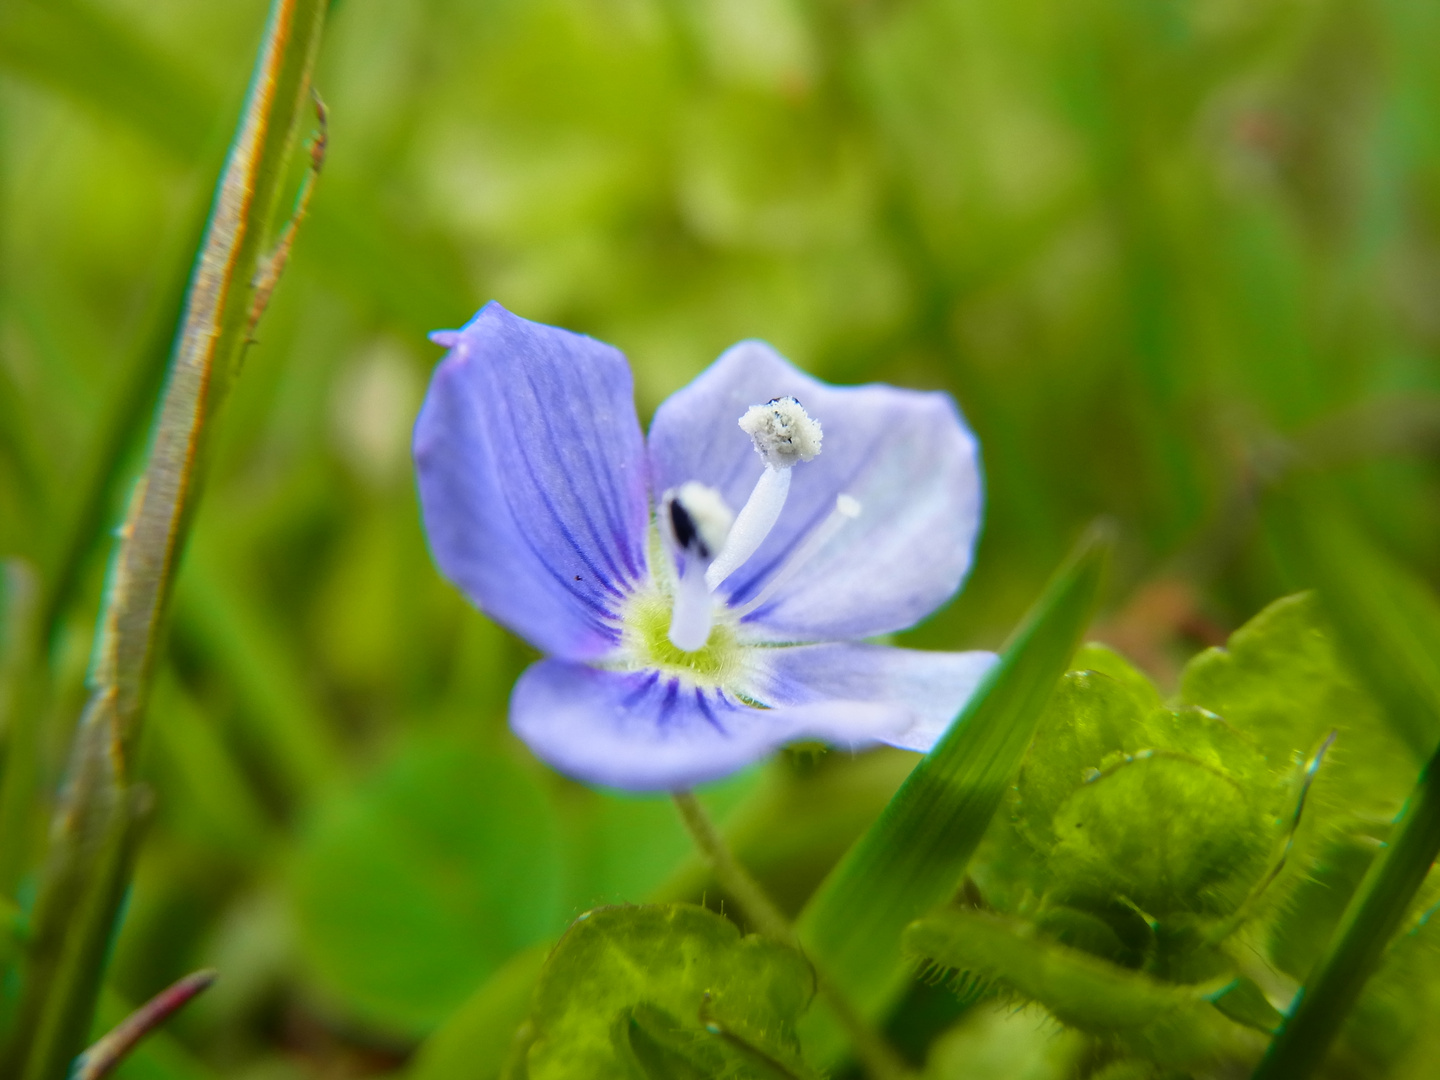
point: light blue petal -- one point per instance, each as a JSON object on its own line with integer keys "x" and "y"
{"x": 644, "y": 731}
{"x": 930, "y": 687}
{"x": 905, "y": 455}
{"x": 532, "y": 479}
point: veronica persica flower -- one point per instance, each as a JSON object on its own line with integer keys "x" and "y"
{"x": 702, "y": 595}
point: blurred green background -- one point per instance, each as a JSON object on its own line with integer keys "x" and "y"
{"x": 1160, "y": 251}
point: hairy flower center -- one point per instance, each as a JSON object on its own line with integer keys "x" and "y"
{"x": 647, "y": 619}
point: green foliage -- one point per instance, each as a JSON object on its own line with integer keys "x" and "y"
{"x": 1165, "y": 1022}
{"x": 651, "y": 993}
{"x": 1280, "y": 680}
{"x": 477, "y": 1037}
{"x": 916, "y": 853}
{"x": 413, "y": 889}
{"x": 1150, "y": 851}
{"x": 1171, "y": 259}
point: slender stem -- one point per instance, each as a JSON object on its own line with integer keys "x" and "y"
{"x": 101, "y": 1059}
{"x": 879, "y": 1059}
{"x": 1356, "y": 947}
{"x": 97, "y": 822}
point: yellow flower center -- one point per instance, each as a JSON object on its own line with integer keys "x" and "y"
{"x": 647, "y": 642}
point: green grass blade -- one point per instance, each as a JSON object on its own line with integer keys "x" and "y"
{"x": 95, "y": 830}
{"x": 1390, "y": 624}
{"x": 1387, "y": 617}
{"x": 78, "y": 47}
{"x": 1355, "y": 949}
{"x": 915, "y": 854}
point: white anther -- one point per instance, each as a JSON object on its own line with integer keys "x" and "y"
{"x": 847, "y": 509}
{"x": 784, "y": 435}
{"x": 783, "y": 432}
{"x": 698, "y": 519}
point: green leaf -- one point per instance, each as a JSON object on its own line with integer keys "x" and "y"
{"x": 915, "y": 855}
{"x": 1245, "y": 1003}
{"x": 1163, "y": 830}
{"x": 1281, "y": 681}
{"x": 1093, "y": 656}
{"x": 414, "y": 887}
{"x": 476, "y": 1039}
{"x": 623, "y": 848}
{"x": 1168, "y": 1022}
{"x": 999, "y": 1042}
{"x": 1389, "y": 623}
{"x": 1314, "y": 906}
{"x": 666, "y": 990}
{"x": 1386, "y": 616}
{"x": 1090, "y": 721}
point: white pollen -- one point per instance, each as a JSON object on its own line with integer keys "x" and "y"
{"x": 783, "y": 432}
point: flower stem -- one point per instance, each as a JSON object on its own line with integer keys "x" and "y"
{"x": 1355, "y": 948}
{"x": 879, "y": 1059}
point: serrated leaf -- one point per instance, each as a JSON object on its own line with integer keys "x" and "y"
{"x": 631, "y": 990}
{"x": 915, "y": 855}
{"x": 1280, "y": 680}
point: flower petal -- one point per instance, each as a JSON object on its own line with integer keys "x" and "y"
{"x": 532, "y": 481}
{"x": 906, "y": 456}
{"x": 931, "y": 687}
{"x": 647, "y": 731}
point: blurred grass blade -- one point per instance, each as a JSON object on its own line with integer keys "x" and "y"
{"x": 915, "y": 855}
{"x": 105, "y": 1056}
{"x": 82, "y": 50}
{"x": 1386, "y": 616}
{"x": 1389, "y": 622}
{"x": 20, "y": 673}
{"x": 94, "y": 833}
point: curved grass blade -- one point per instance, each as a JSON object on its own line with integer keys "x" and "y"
{"x": 1390, "y": 625}
{"x": 94, "y": 833}
{"x": 914, "y": 856}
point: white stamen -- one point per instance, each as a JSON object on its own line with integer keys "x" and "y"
{"x": 847, "y": 509}
{"x": 697, "y": 521}
{"x": 757, "y": 517}
{"x": 783, "y": 432}
{"x": 694, "y": 610}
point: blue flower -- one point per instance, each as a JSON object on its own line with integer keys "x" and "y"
{"x": 702, "y": 595}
